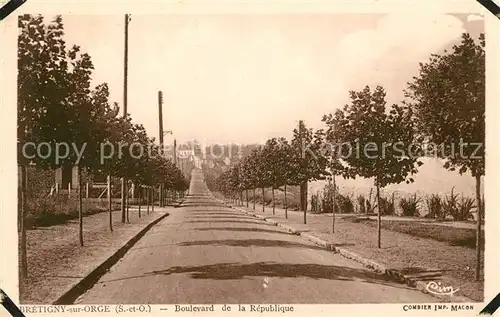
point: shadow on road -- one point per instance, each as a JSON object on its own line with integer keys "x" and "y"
{"x": 225, "y": 271}
{"x": 252, "y": 243}
{"x": 233, "y": 271}
{"x": 232, "y": 221}
{"x": 208, "y": 213}
{"x": 208, "y": 216}
{"x": 241, "y": 230}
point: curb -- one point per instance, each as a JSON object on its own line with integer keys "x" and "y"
{"x": 394, "y": 274}
{"x": 90, "y": 279}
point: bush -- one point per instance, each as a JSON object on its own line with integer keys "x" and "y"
{"x": 464, "y": 209}
{"x": 371, "y": 206}
{"x": 387, "y": 206}
{"x": 435, "y": 207}
{"x": 409, "y": 206}
{"x": 459, "y": 210}
{"x": 48, "y": 211}
{"x": 344, "y": 204}
{"x": 450, "y": 203}
{"x": 362, "y": 204}
{"x": 314, "y": 203}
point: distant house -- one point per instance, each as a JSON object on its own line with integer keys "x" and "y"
{"x": 67, "y": 177}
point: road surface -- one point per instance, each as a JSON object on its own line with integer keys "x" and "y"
{"x": 205, "y": 253}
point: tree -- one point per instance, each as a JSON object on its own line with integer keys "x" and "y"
{"x": 37, "y": 74}
{"x": 285, "y": 166}
{"x": 383, "y": 141}
{"x": 448, "y": 99}
{"x": 274, "y": 160}
{"x": 251, "y": 174}
{"x": 307, "y": 160}
{"x": 334, "y": 163}
{"x": 261, "y": 173}
{"x": 56, "y": 107}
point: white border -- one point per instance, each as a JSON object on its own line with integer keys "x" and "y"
{"x": 8, "y": 72}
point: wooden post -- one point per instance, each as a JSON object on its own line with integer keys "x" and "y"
{"x": 22, "y": 222}
{"x": 140, "y": 200}
{"x": 153, "y": 199}
{"x": 479, "y": 217}
{"x": 80, "y": 206}
{"x": 127, "y": 201}
{"x": 253, "y": 198}
{"x": 263, "y": 200}
{"x": 286, "y": 205}
{"x": 122, "y": 198}
{"x": 379, "y": 220}
{"x": 334, "y": 207}
{"x": 110, "y": 203}
{"x": 87, "y": 190}
{"x": 147, "y": 199}
{"x": 69, "y": 190}
{"x": 246, "y": 193}
{"x": 274, "y": 203}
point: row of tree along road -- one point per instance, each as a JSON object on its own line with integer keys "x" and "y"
{"x": 443, "y": 114}
{"x": 58, "y": 105}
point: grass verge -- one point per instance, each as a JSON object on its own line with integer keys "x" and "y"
{"x": 453, "y": 236}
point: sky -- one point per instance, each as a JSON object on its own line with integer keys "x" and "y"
{"x": 245, "y": 78}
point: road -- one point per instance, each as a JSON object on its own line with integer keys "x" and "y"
{"x": 205, "y": 253}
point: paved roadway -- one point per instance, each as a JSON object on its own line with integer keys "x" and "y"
{"x": 207, "y": 253}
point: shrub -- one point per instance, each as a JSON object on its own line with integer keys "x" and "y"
{"x": 314, "y": 203}
{"x": 344, "y": 204}
{"x": 464, "y": 209}
{"x": 483, "y": 208}
{"x": 409, "y": 206}
{"x": 387, "y": 206}
{"x": 435, "y": 207}
{"x": 362, "y": 204}
{"x": 450, "y": 203}
{"x": 371, "y": 206}
{"x": 47, "y": 211}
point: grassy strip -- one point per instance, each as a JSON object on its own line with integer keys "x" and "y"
{"x": 451, "y": 235}
{"x": 46, "y": 212}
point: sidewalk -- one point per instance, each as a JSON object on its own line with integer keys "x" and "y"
{"x": 57, "y": 262}
{"x": 426, "y": 258}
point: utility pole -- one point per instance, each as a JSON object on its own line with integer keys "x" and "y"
{"x": 160, "y": 125}
{"x": 175, "y": 152}
{"x": 125, "y": 84}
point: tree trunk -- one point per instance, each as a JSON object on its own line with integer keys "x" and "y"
{"x": 80, "y": 206}
{"x": 334, "y": 206}
{"x": 140, "y": 196}
{"x": 123, "y": 199}
{"x": 127, "y": 201}
{"x": 304, "y": 200}
{"x": 110, "y": 204}
{"x": 153, "y": 199}
{"x": 241, "y": 198}
{"x": 379, "y": 219}
{"x": 161, "y": 196}
{"x": 147, "y": 200}
{"x": 253, "y": 198}
{"x": 286, "y": 205}
{"x": 478, "y": 229}
{"x": 23, "y": 268}
{"x": 246, "y": 193}
{"x": 274, "y": 203}
{"x": 263, "y": 199}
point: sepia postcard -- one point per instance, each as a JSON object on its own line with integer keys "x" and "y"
{"x": 249, "y": 157}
